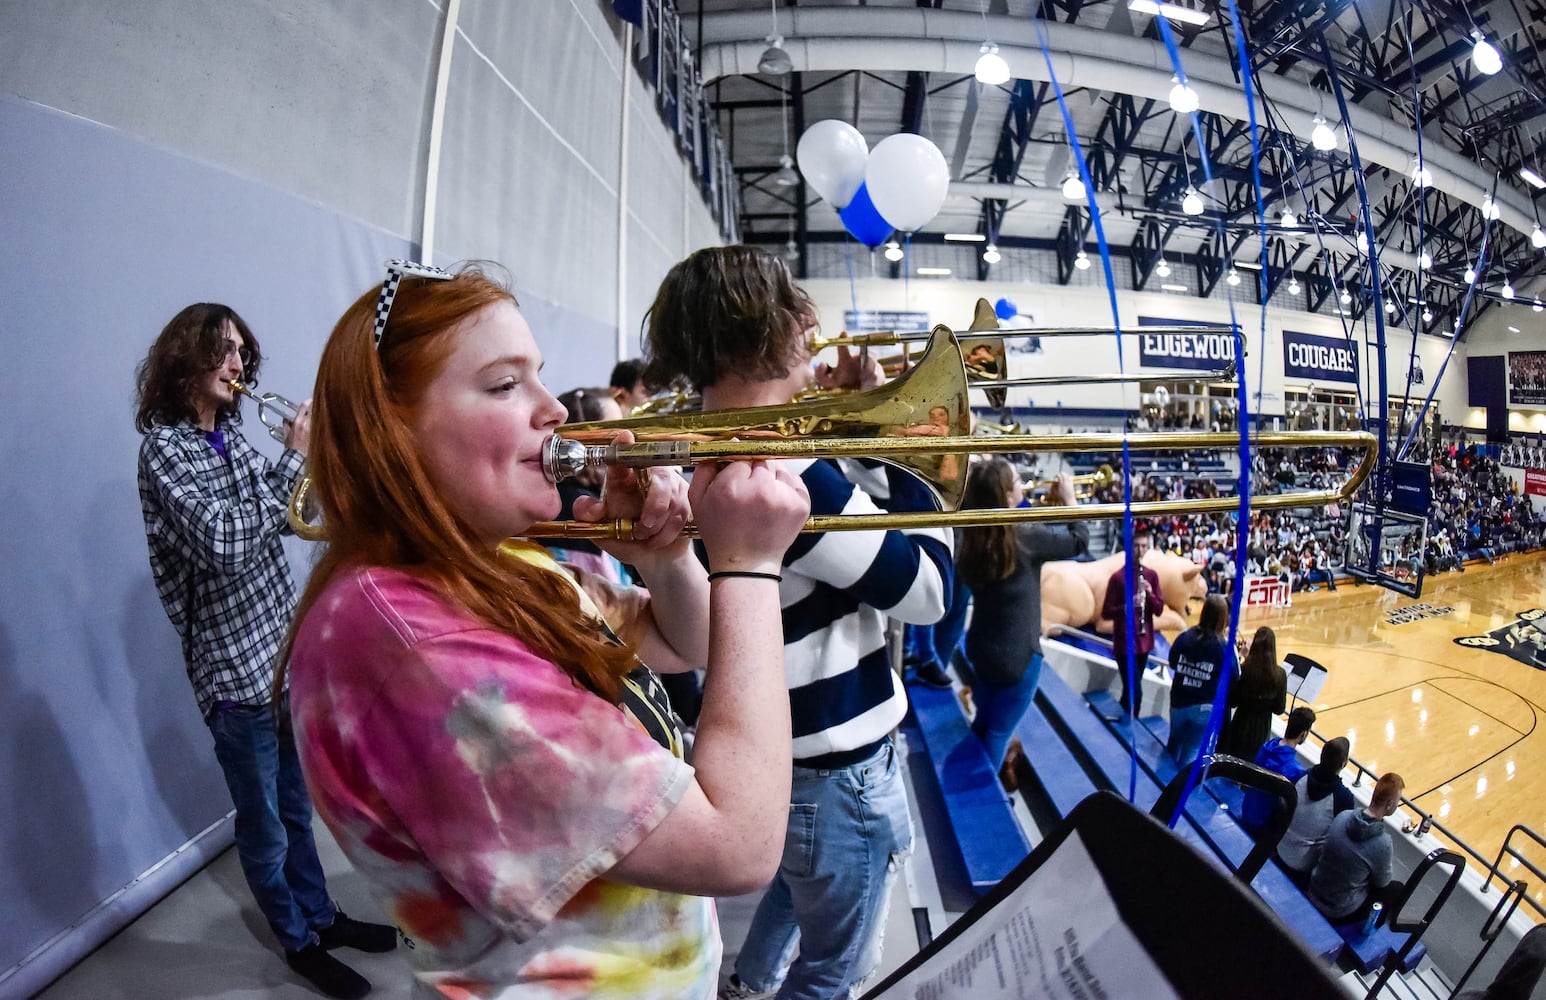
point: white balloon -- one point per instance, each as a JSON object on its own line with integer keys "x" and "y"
{"x": 907, "y": 179}
{"x": 832, "y": 155}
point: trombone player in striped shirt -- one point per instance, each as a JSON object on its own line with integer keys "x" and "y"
{"x": 731, "y": 323}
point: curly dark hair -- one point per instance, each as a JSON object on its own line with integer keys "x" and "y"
{"x": 190, "y": 347}
{"x": 725, "y": 310}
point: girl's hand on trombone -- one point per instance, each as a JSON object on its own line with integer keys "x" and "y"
{"x": 748, "y": 514}
{"x": 654, "y": 499}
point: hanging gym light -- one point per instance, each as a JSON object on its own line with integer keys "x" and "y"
{"x": 894, "y": 251}
{"x": 991, "y": 70}
{"x": 991, "y": 255}
{"x": 1191, "y": 202}
{"x": 1082, "y": 261}
{"x": 774, "y": 61}
{"x": 1322, "y": 137}
{"x": 1483, "y": 56}
{"x": 1288, "y": 220}
{"x": 1183, "y": 99}
{"x": 1233, "y": 277}
{"x": 1073, "y": 187}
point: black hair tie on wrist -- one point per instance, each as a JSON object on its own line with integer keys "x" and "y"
{"x": 748, "y": 574}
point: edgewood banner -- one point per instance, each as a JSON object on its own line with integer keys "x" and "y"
{"x": 878, "y": 320}
{"x": 1535, "y": 482}
{"x": 1205, "y": 350}
{"x": 1320, "y": 359}
{"x": 1527, "y": 378}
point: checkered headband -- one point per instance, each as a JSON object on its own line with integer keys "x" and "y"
{"x": 397, "y": 270}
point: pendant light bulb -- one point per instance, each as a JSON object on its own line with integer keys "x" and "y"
{"x": 1537, "y": 237}
{"x": 1425, "y": 260}
{"x": 1322, "y": 137}
{"x": 1191, "y": 202}
{"x": 1073, "y": 187}
{"x": 1421, "y": 176}
{"x": 894, "y": 251}
{"x": 1293, "y": 286}
{"x": 1233, "y": 277}
{"x": 1484, "y": 56}
{"x": 1082, "y": 261}
{"x": 1390, "y": 308}
{"x": 1470, "y": 275}
{"x": 1507, "y": 291}
{"x": 1537, "y": 305}
{"x": 1288, "y": 219}
{"x": 991, "y": 255}
{"x": 991, "y": 69}
{"x": 774, "y": 61}
{"x": 1427, "y": 315}
{"x": 1183, "y": 99}
{"x": 1345, "y": 297}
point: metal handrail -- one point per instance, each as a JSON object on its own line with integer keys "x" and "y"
{"x": 1493, "y": 926}
{"x": 1512, "y": 852}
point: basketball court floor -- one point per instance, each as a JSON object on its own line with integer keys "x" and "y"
{"x": 1449, "y": 696}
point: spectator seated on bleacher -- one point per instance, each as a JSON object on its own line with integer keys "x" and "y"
{"x": 1322, "y": 797}
{"x": 1354, "y": 869}
{"x": 1280, "y": 755}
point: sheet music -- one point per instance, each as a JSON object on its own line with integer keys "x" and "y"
{"x": 1057, "y": 936}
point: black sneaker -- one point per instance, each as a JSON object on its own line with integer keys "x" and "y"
{"x": 931, "y": 675}
{"x": 327, "y": 973}
{"x": 346, "y": 932}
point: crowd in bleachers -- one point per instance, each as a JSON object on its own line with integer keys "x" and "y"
{"x": 1477, "y": 512}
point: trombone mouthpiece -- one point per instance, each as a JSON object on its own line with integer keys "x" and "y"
{"x": 563, "y": 458}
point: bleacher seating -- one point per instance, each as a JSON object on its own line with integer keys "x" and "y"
{"x": 1212, "y": 830}
{"x": 989, "y": 836}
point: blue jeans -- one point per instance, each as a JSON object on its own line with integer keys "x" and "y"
{"x": 849, "y": 830}
{"x": 1000, "y": 709}
{"x": 1187, "y": 728}
{"x": 938, "y": 642}
{"x": 273, "y": 822}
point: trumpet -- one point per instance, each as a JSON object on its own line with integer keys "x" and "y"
{"x": 1084, "y": 486}
{"x": 919, "y": 423}
{"x": 276, "y": 412}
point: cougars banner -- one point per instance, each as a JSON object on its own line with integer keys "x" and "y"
{"x": 1210, "y": 348}
{"x": 1527, "y": 378}
{"x": 1319, "y": 359}
{"x": 1535, "y": 482}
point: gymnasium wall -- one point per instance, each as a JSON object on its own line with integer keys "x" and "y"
{"x": 952, "y": 303}
{"x": 269, "y": 156}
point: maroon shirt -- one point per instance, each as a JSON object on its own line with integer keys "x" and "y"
{"x": 1115, "y": 608}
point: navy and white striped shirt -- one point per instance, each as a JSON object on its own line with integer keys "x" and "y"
{"x": 213, "y": 525}
{"x": 838, "y": 590}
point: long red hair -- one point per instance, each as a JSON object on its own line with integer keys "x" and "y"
{"x": 380, "y": 505}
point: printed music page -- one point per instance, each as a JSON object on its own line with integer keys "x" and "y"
{"x": 1057, "y": 936}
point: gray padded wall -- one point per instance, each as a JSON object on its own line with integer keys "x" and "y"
{"x": 269, "y": 155}
{"x": 108, "y": 768}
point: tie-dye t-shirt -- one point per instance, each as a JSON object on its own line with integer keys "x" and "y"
{"x": 484, "y": 795}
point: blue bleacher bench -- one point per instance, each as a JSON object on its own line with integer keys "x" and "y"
{"x": 981, "y": 814}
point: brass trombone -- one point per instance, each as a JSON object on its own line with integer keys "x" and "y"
{"x": 920, "y": 422}
{"x": 1084, "y": 486}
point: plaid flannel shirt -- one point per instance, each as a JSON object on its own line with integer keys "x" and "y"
{"x": 213, "y": 527}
